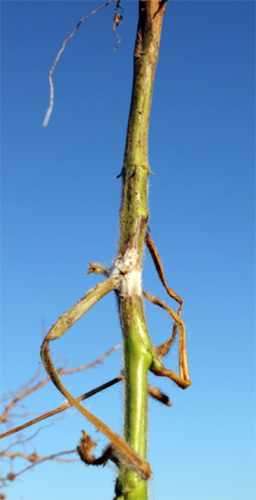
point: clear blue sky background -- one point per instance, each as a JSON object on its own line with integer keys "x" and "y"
{"x": 60, "y": 204}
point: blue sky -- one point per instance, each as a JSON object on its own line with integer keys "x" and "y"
{"x": 60, "y": 204}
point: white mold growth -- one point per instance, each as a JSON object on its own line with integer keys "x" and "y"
{"x": 129, "y": 270}
{"x": 130, "y": 284}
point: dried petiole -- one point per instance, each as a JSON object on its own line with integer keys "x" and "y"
{"x": 157, "y": 367}
{"x": 58, "y": 329}
{"x": 156, "y": 259}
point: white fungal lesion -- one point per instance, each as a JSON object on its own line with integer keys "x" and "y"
{"x": 128, "y": 269}
{"x": 130, "y": 284}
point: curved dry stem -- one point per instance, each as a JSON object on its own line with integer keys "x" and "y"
{"x": 154, "y": 392}
{"x": 12, "y": 476}
{"x": 33, "y": 457}
{"x": 182, "y": 379}
{"x": 86, "y": 447}
{"x": 51, "y": 103}
{"x": 134, "y": 461}
{"x": 164, "y": 348}
{"x": 18, "y": 398}
{"x": 117, "y": 20}
{"x": 158, "y": 265}
{"x": 181, "y": 382}
{"x": 64, "y": 407}
{"x": 39, "y": 385}
{"x": 81, "y": 307}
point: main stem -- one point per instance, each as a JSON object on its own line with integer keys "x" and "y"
{"x": 133, "y": 226}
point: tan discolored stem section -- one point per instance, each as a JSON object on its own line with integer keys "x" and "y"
{"x": 133, "y": 226}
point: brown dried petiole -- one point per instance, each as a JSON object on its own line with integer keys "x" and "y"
{"x": 132, "y": 458}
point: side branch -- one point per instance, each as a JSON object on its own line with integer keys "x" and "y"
{"x": 64, "y": 407}
{"x": 182, "y": 379}
{"x": 29, "y": 390}
{"x": 158, "y": 265}
{"x": 80, "y": 308}
{"x": 153, "y": 391}
{"x": 36, "y": 461}
{"x": 134, "y": 461}
{"x": 164, "y": 348}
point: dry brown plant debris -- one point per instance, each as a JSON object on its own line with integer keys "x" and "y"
{"x": 117, "y": 20}
{"x": 16, "y": 400}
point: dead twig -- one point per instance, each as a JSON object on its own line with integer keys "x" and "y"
{"x": 158, "y": 265}
{"x": 183, "y": 379}
{"x": 86, "y": 447}
{"x": 27, "y": 391}
{"x": 131, "y": 457}
{"x": 51, "y": 103}
{"x": 63, "y": 407}
{"x": 154, "y": 392}
{"x": 33, "y": 457}
{"x": 117, "y": 20}
{"x": 38, "y": 460}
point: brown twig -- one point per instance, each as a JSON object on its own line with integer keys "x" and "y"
{"x": 96, "y": 268}
{"x": 182, "y": 379}
{"x": 136, "y": 462}
{"x": 117, "y": 20}
{"x": 164, "y": 348}
{"x": 55, "y": 456}
{"x": 159, "y": 395}
{"x": 33, "y": 457}
{"x": 22, "y": 388}
{"x": 39, "y": 385}
{"x": 86, "y": 447}
{"x": 63, "y": 407}
{"x": 158, "y": 265}
{"x": 90, "y": 365}
{"x": 154, "y": 392}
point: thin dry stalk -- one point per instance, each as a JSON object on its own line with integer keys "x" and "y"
{"x": 63, "y": 407}
{"x": 51, "y": 103}
{"x": 27, "y": 391}
{"x": 36, "y": 461}
{"x": 158, "y": 265}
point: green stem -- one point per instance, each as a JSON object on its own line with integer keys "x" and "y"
{"x": 137, "y": 359}
{"x": 138, "y": 350}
